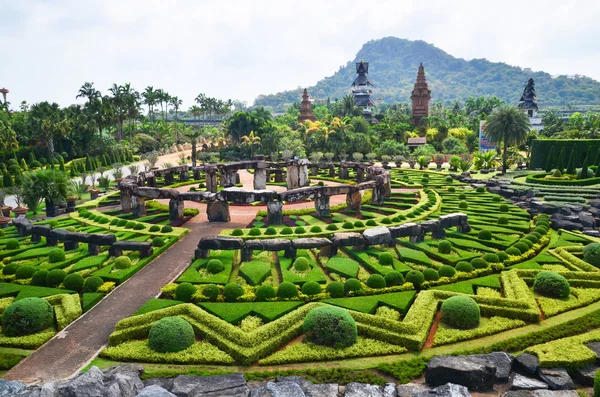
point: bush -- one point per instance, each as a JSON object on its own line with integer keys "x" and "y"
{"x": 184, "y": 292}
{"x": 446, "y": 271}
{"x": 464, "y": 266}
{"x": 460, "y": 312}
{"x": 12, "y": 244}
{"x": 462, "y": 196}
{"x": 287, "y": 290}
{"x": 130, "y": 225}
{"x": 237, "y": 232}
{"x": 232, "y": 291}
{"x": 214, "y": 266}
{"x": 386, "y": 259}
{"x": 451, "y": 189}
{"x": 316, "y": 229}
{"x": 484, "y": 235}
{"x": 10, "y": 269}
{"x": 591, "y": 254}
{"x": 56, "y": 255}
{"x": 527, "y": 242}
{"x": 139, "y": 226}
{"x": 348, "y": 225}
{"x": 55, "y": 277}
{"x": 376, "y": 281}
{"x": 27, "y": 316}
{"x": 330, "y": 326}
{"x": 521, "y": 246}
{"x": 352, "y": 285}
{"x": 271, "y": 231}
{"x": 301, "y": 264}
{"x": 513, "y": 251}
{"x": 359, "y": 224}
{"x": 265, "y": 292}
{"x": 445, "y": 247}
{"x": 158, "y": 242}
{"x": 503, "y": 208}
{"x": 166, "y": 229}
{"x": 503, "y": 256}
{"x": 371, "y": 222}
{"x": 122, "y": 222}
{"x": 415, "y": 277}
{"x": 503, "y": 220}
{"x": 480, "y": 189}
{"x": 92, "y": 284}
{"x": 74, "y": 282}
{"x": 597, "y": 384}
{"x": 479, "y": 263}
{"x": 286, "y": 231}
{"x": 25, "y": 272}
{"x": 311, "y": 288}
{"x": 491, "y": 258}
{"x": 122, "y": 262}
{"x": 551, "y": 284}
{"x": 332, "y": 227}
{"x": 335, "y": 289}
{"x": 463, "y": 205}
{"x": 541, "y": 230}
{"x": 299, "y": 230}
{"x": 211, "y": 292}
{"x": 532, "y": 238}
{"x": 431, "y": 274}
{"x": 170, "y": 335}
{"x": 39, "y": 278}
{"x": 393, "y": 278}
{"x": 153, "y": 228}
{"x": 385, "y": 221}
{"x": 254, "y": 232}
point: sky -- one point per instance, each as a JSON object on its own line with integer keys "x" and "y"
{"x": 240, "y": 49}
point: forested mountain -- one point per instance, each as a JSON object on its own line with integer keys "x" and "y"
{"x": 393, "y": 64}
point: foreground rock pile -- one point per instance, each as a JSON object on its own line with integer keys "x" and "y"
{"x": 452, "y": 376}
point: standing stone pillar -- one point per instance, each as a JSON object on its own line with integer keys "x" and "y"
{"x": 93, "y": 249}
{"x": 218, "y": 211}
{"x": 260, "y": 176}
{"x": 222, "y": 177}
{"x": 71, "y": 245}
{"x": 322, "y": 206}
{"x": 229, "y": 178}
{"x": 176, "y": 208}
{"x": 196, "y": 174}
{"x": 247, "y": 254}
{"x": 211, "y": 180}
{"x": 343, "y": 172}
{"x": 303, "y": 179}
{"x": 279, "y": 175}
{"x": 169, "y": 178}
{"x": 237, "y": 178}
{"x": 184, "y": 176}
{"x": 314, "y": 170}
{"x": 275, "y": 212}
{"x": 360, "y": 175}
{"x": 463, "y": 227}
{"x": 51, "y": 242}
{"x": 354, "y": 200}
{"x": 387, "y": 185}
{"x": 138, "y": 206}
{"x": 201, "y": 253}
{"x": 151, "y": 181}
{"x": 125, "y": 197}
{"x": 331, "y": 171}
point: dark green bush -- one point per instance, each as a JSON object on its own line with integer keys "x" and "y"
{"x": 153, "y": 228}
{"x": 39, "y": 278}
{"x": 316, "y": 229}
{"x": 462, "y": 196}
{"x": 301, "y": 264}
{"x": 265, "y": 292}
{"x": 359, "y": 224}
{"x": 496, "y": 199}
{"x": 214, "y": 266}
{"x": 55, "y": 277}
{"x": 232, "y": 291}
{"x": 170, "y": 335}
{"x": 464, "y": 266}
{"x": 158, "y": 242}
{"x": 484, "y": 235}
{"x": 513, "y": 251}
{"x": 376, "y": 281}
{"x": 503, "y": 256}
{"x": 352, "y": 285}
{"x": 551, "y": 284}
{"x": 25, "y": 272}
{"x": 463, "y": 205}
{"x": 597, "y": 384}
{"x": 166, "y": 229}
{"x": 211, "y": 292}
{"x": 130, "y": 225}
{"x": 503, "y": 208}
{"x": 541, "y": 230}
{"x": 503, "y": 220}
{"x": 271, "y": 231}
{"x": 122, "y": 262}
{"x": 10, "y": 269}
{"x": 92, "y": 284}
{"x": 332, "y": 227}
{"x": 446, "y": 271}
{"x": 521, "y": 246}
{"x": 330, "y": 326}
{"x": 12, "y": 244}
{"x": 311, "y": 288}
{"x": 415, "y": 277}
{"x": 237, "y": 232}
{"x": 491, "y": 258}
{"x": 348, "y": 225}
{"x": 393, "y": 278}
{"x": 386, "y": 259}
{"x": 184, "y": 292}
{"x": 286, "y": 231}
{"x": 139, "y": 226}
{"x": 532, "y": 238}
{"x": 480, "y": 189}
{"x": 335, "y": 289}
{"x": 371, "y": 222}
{"x": 451, "y": 189}
{"x": 27, "y": 316}
{"x": 254, "y": 232}
{"x": 287, "y": 290}
{"x": 385, "y": 221}
{"x": 479, "y": 263}
{"x": 430, "y": 274}
{"x": 591, "y": 254}
{"x": 56, "y": 255}
{"x": 460, "y": 312}
{"x": 300, "y": 230}
{"x": 122, "y": 222}
{"x": 445, "y": 247}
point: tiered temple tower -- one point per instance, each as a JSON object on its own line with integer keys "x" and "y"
{"x": 528, "y": 101}
{"x": 421, "y": 95}
{"x": 305, "y": 109}
{"x": 361, "y": 90}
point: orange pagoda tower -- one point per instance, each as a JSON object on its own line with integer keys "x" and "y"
{"x": 421, "y": 95}
{"x": 305, "y": 109}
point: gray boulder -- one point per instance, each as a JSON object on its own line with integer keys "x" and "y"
{"x": 557, "y": 378}
{"x": 10, "y": 387}
{"x": 125, "y": 385}
{"x": 521, "y": 382}
{"x": 362, "y": 390}
{"x": 278, "y": 389}
{"x": 585, "y": 375}
{"x": 411, "y": 389}
{"x": 49, "y": 389}
{"x": 389, "y": 390}
{"x": 447, "y": 390}
{"x": 322, "y": 390}
{"x": 88, "y": 384}
{"x": 527, "y": 363}
{"x": 477, "y": 376}
{"x": 155, "y": 391}
{"x": 378, "y": 236}
{"x": 541, "y": 393}
{"x": 501, "y": 360}
{"x": 217, "y": 385}
{"x": 165, "y": 383}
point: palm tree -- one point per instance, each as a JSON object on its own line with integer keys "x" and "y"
{"x": 349, "y": 108}
{"x": 150, "y": 96}
{"x": 88, "y": 91}
{"x": 251, "y": 139}
{"x": 508, "y": 125}
{"x": 195, "y": 112}
{"x": 193, "y": 135}
{"x": 120, "y": 101}
{"x": 176, "y": 102}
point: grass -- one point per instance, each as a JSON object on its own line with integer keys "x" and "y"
{"x": 255, "y": 271}
{"x": 235, "y": 312}
{"x": 345, "y": 267}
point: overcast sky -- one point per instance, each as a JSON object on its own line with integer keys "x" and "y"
{"x": 240, "y": 49}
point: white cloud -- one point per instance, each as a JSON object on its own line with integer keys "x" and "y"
{"x": 240, "y": 49}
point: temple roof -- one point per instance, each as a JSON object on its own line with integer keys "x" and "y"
{"x": 528, "y": 99}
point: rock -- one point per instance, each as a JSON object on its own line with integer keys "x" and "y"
{"x": 555, "y": 393}
{"x": 521, "y": 382}
{"x": 447, "y": 390}
{"x": 389, "y": 390}
{"x": 220, "y": 243}
{"x": 557, "y": 378}
{"x": 155, "y": 391}
{"x": 405, "y": 230}
{"x": 501, "y": 360}
{"x": 347, "y": 239}
{"x": 411, "y": 389}
{"x": 311, "y": 242}
{"x": 49, "y": 389}
{"x": 165, "y": 383}
{"x": 217, "y": 385}
{"x": 527, "y": 363}
{"x": 460, "y": 370}
{"x": 278, "y": 389}
{"x": 585, "y": 375}
{"x": 218, "y": 211}
{"x": 362, "y": 390}
{"x": 322, "y": 390}
{"x": 595, "y": 347}
{"x": 126, "y": 385}
{"x": 300, "y": 381}
{"x": 270, "y": 244}
{"x": 354, "y": 200}
{"x": 88, "y": 384}
{"x": 274, "y": 212}
{"x": 378, "y": 236}
{"x": 10, "y": 387}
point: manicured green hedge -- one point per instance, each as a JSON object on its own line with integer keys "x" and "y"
{"x": 541, "y": 148}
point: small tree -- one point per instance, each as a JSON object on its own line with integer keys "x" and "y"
{"x": 584, "y": 169}
{"x": 571, "y": 164}
{"x": 550, "y": 160}
{"x": 508, "y": 125}
{"x": 50, "y": 185}
{"x": 560, "y": 163}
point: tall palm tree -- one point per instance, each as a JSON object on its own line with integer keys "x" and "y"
{"x": 251, "y": 139}
{"x": 195, "y": 111}
{"x": 150, "y": 98}
{"x": 88, "y": 91}
{"x": 119, "y": 98}
{"x": 349, "y": 108}
{"x": 508, "y": 125}
{"x": 176, "y": 102}
{"x": 193, "y": 135}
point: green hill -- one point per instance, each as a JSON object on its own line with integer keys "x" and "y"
{"x": 393, "y": 64}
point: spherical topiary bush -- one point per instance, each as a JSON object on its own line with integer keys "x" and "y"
{"x": 591, "y": 254}
{"x": 393, "y": 278}
{"x": 541, "y": 230}
{"x": 532, "y": 238}
{"x": 311, "y": 288}
{"x": 445, "y": 247}
{"x": 330, "y": 326}
{"x": 286, "y": 231}
{"x": 211, "y": 292}
{"x": 551, "y": 284}
{"x": 484, "y": 235}
{"x": 10, "y": 269}
{"x": 352, "y": 285}
{"x": 271, "y": 231}
{"x": 359, "y": 224}
{"x": 371, "y": 222}
{"x": 39, "y": 278}
{"x": 431, "y": 274}
{"x": 254, "y": 232}
{"x": 496, "y": 199}
{"x": 12, "y": 244}
{"x": 376, "y": 281}
{"x": 25, "y": 272}
{"x": 122, "y": 262}
{"x": 55, "y": 277}
{"x": 166, "y": 229}
{"x": 27, "y": 316}
{"x": 184, "y": 292}
{"x": 479, "y": 263}
{"x": 449, "y": 179}
{"x": 521, "y": 246}
{"x": 451, "y": 189}
{"x": 287, "y": 290}
{"x": 265, "y": 292}
{"x": 237, "y": 232}
{"x": 232, "y": 291}
{"x": 512, "y": 251}
{"x": 122, "y": 222}
{"x": 214, "y": 266}
{"x": 332, "y": 227}
{"x": 56, "y": 255}
{"x": 74, "y": 282}
{"x": 527, "y": 242}
{"x": 348, "y": 225}
{"x": 463, "y": 205}
{"x": 138, "y": 226}
{"x": 503, "y": 220}
{"x": 170, "y": 335}
{"x": 158, "y": 242}
{"x": 92, "y": 284}
{"x": 460, "y": 312}
{"x": 503, "y": 208}
{"x": 386, "y": 259}
{"x": 491, "y": 258}
{"x": 503, "y": 256}
{"x": 480, "y": 189}
{"x": 415, "y": 277}
{"x": 153, "y": 228}
{"x": 301, "y": 264}
{"x": 130, "y": 225}
{"x": 464, "y": 266}
{"x": 300, "y": 230}
{"x": 446, "y": 271}
{"x": 462, "y": 196}
{"x": 335, "y": 289}
{"x": 316, "y": 229}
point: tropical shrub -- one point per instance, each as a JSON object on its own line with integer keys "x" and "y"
{"x": 170, "y": 335}
{"x": 460, "y": 312}
{"x": 330, "y": 326}
{"x": 27, "y": 316}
